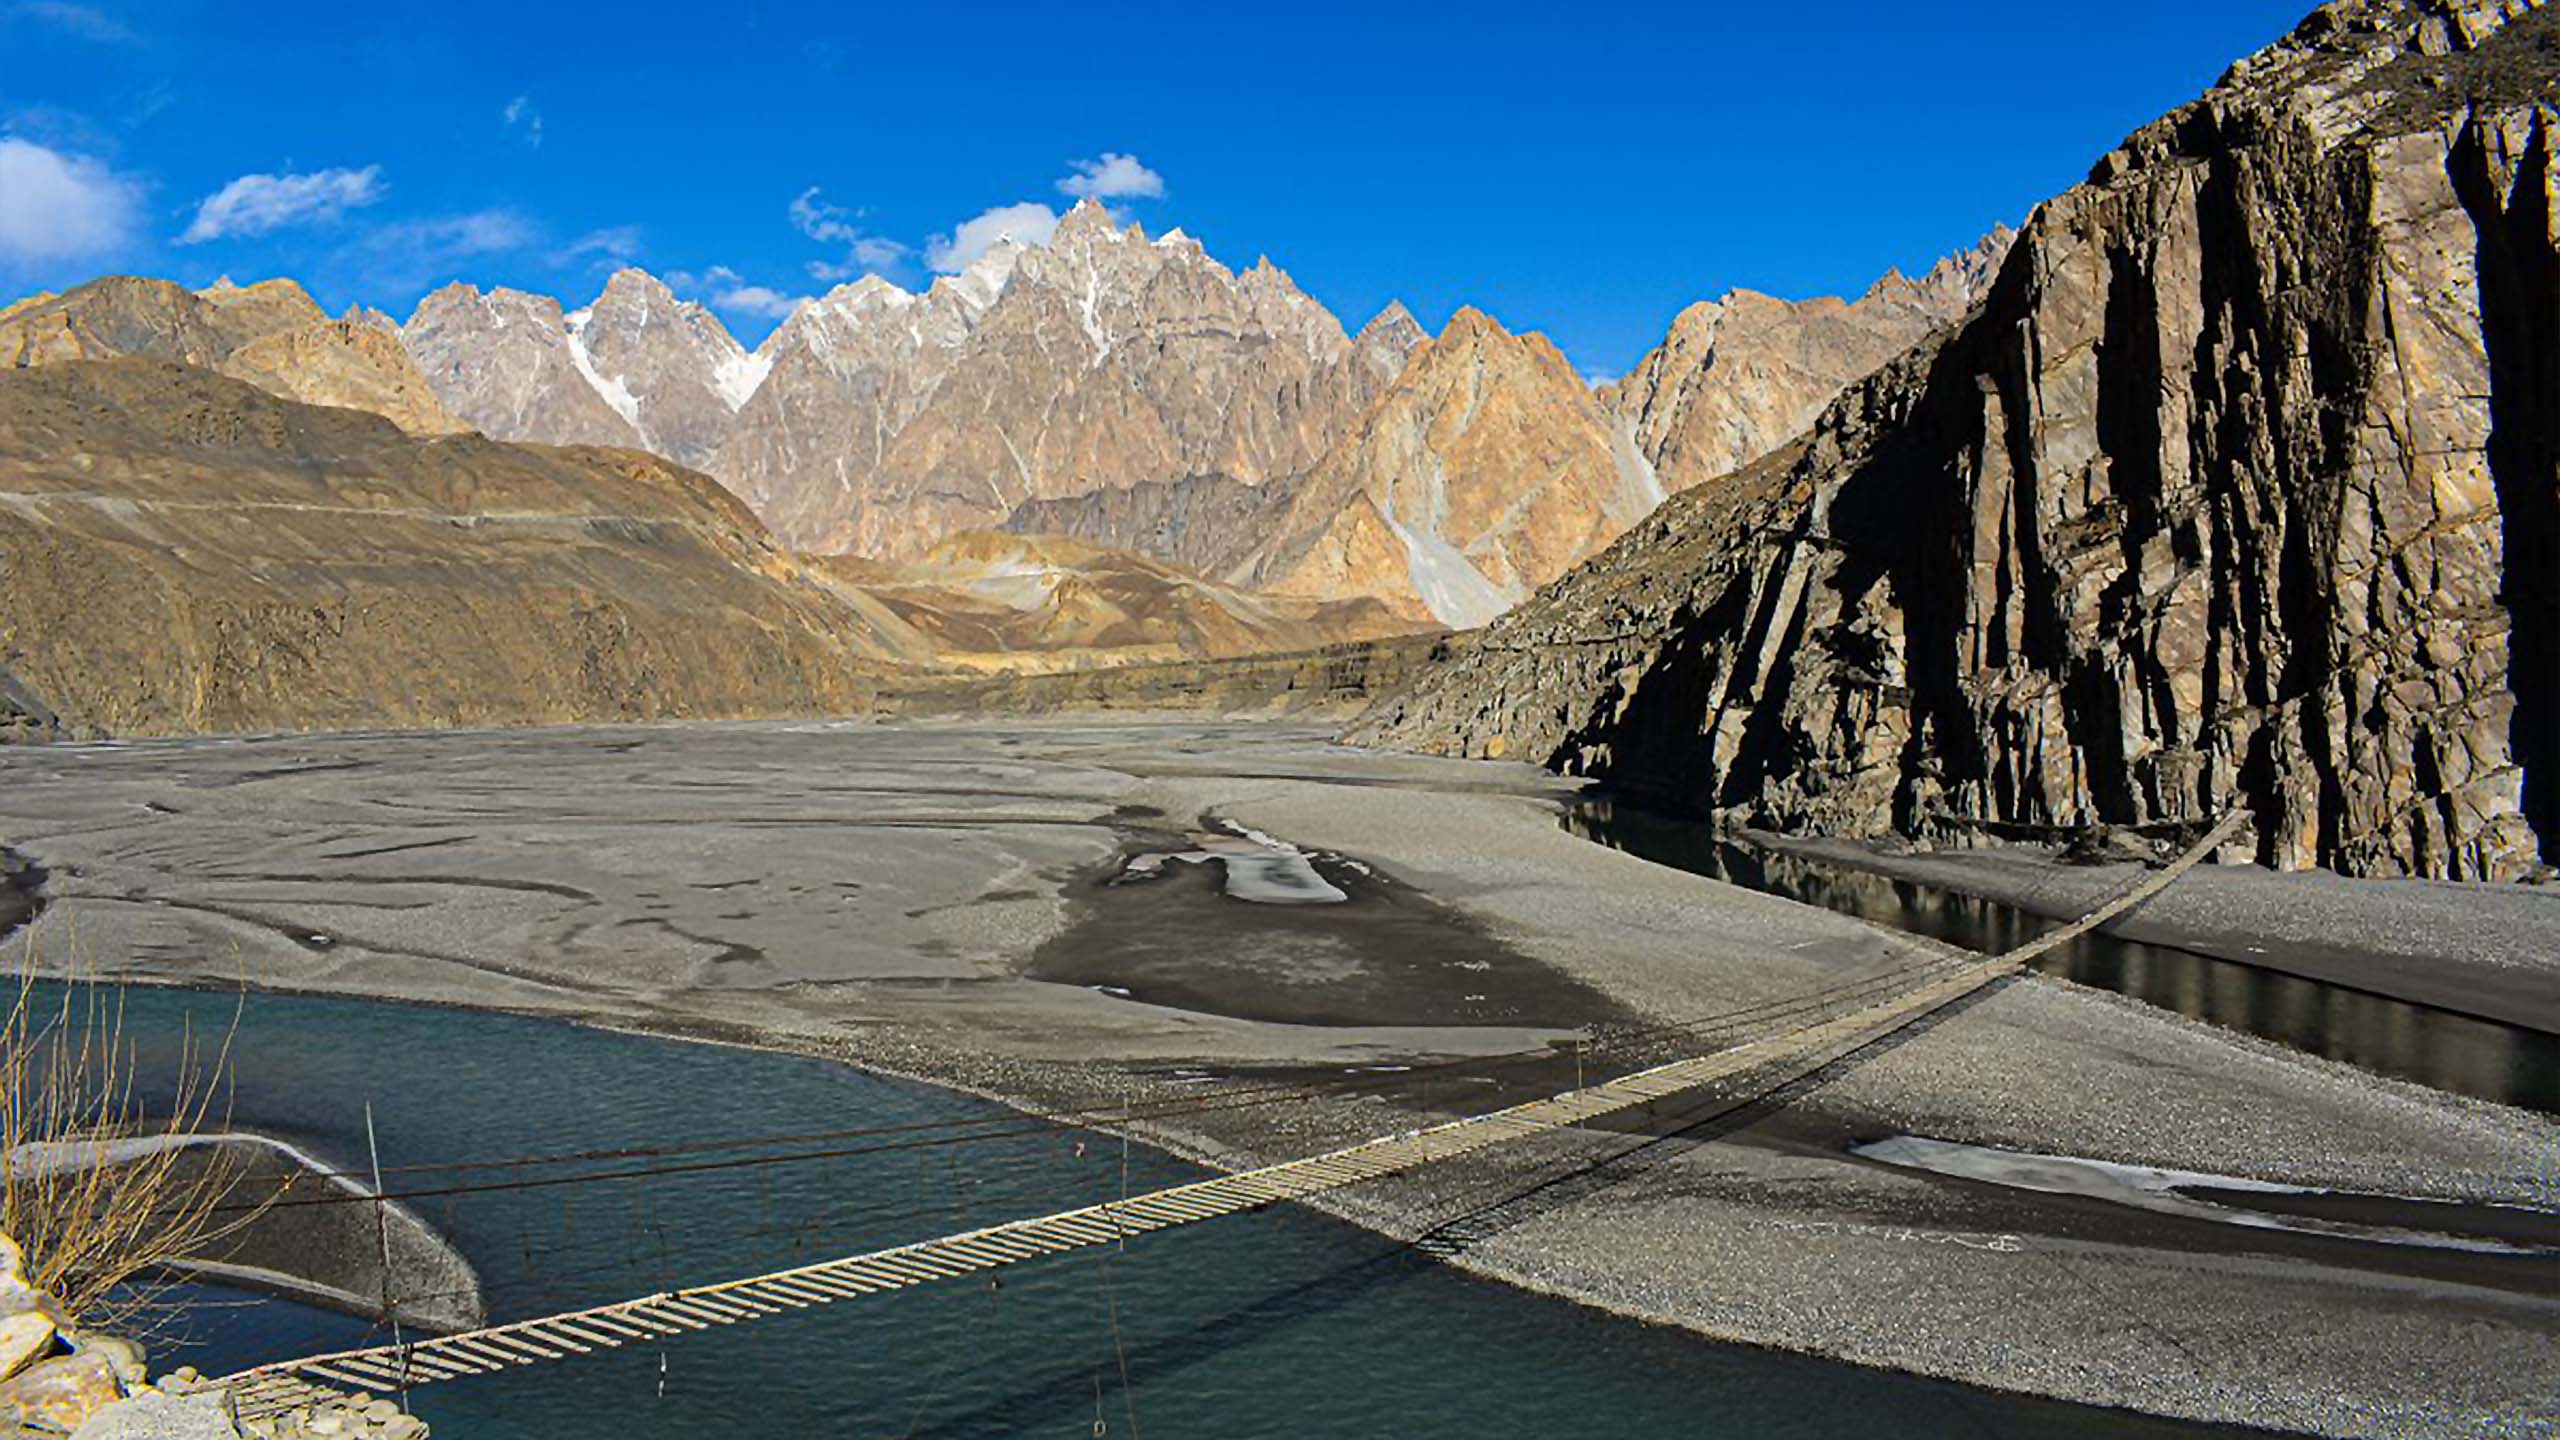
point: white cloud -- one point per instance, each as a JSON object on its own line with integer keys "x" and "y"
{"x": 520, "y": 114}
{"x": 833, "y": 225}
{"x": 1029, "y": 223}
{"x": 56, "y": 207}
{"x": 85, "y": 21}
{"x": 260, "y": 204}
{"x": 1113, "y": 177}
{"x": 725, "y": 289}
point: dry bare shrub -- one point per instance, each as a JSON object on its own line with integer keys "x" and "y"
{"x": 105, "y": 1193}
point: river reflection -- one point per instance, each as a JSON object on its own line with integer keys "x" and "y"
{"x": 2437, "y": 1048}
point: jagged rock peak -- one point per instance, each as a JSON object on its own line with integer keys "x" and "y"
{"x": 1393, "y": 319}
{"x": 1085, "y": 221}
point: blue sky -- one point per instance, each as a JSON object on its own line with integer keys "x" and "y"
{"x": 1581, "y": 170}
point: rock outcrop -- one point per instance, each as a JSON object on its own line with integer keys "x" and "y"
{"x": 1741, "y": 376}
{"x": 2238, "y": 488}
{"x": 181, "y": 552}
{"x": 1485, "y": 470}
{"x": 271, "y": 334}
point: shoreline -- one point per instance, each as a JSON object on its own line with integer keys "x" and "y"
{"x": 2199, "y": 918}
{"x": 874, "y": 896}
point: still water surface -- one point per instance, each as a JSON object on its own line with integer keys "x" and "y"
{"x": 1282, "y": 1324}
{"x": 2433, "y": 1047}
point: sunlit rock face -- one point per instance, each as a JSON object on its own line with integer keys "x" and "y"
{"x": 2237, "y": 489}
{"x": 1486, "y": 470}
{"x": 271, "y": 334}
{"x": 1740, "y": 376}
{"x": 1096, "y": 362}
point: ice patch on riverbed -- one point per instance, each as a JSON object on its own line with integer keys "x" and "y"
{"x": 2147, "y": 1187}
{"x": 1259, "y": 868}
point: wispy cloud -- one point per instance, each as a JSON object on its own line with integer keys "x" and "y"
{"x": 1113, "y": 177}
{"x": 263, "y": 204}
{"x": 57, "y": 208}
{"x": 834, "y": 225}
{"x": 410, "y": 255}
{"x": 87, "y": 22}
{"x": 1029, "y": 223}
{"x": 521, "y": 117}
{"x": 612, "y": 245}
{"x": 725, "y": 289}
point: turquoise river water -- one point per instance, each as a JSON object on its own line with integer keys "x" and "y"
{"x": 1279, "y": 1324}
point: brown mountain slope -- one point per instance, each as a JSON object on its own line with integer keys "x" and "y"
{"x": 1032, "y": 603}
{"x": 2241, "y": 488}
{"x": 1486, "y": 470}
{"x": 181, "y": 552}
{"x": 270, "y": 334}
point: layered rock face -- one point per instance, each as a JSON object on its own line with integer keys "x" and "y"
{"x": 1741, "y": 376}
{"x": 181, "y": 552}
{"x": 1098, "y": 361}
{"x": 270, "y": 334}
{"x": 1486, "y": 470}
{"x": 2238, "y": 488}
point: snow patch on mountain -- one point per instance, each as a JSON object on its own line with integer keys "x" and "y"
{"x": 615, "y": 393}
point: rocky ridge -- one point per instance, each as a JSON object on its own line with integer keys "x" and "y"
{"x": 2237, "y": 488}
{"x": 1099, "y": 360}
{"x": 877, "y": 421}
{"x": 1740, "y": 376}
{"x": 1487, "y": 469}
{"x": 271, "y": 334}
{"x": 638, "y": 367}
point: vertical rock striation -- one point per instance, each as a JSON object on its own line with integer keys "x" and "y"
{"x": 2236, "y": 488}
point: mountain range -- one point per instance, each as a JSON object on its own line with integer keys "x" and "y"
{"x": 1137, "y": 394}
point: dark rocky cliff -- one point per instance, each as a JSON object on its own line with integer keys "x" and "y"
{"x": 2237, "y": 488}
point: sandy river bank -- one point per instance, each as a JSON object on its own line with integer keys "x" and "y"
{"x": 930, "y": 899}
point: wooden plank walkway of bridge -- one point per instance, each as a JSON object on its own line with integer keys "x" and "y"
{"x": 273, "y": 1389}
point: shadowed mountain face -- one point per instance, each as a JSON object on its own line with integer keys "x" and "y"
{"x": 181, "y": 552}
{"x": 2238, "y": 487}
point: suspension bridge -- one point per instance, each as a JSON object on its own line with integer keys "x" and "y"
{"x": 273, "y": 1389}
